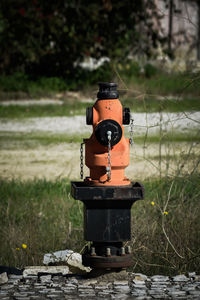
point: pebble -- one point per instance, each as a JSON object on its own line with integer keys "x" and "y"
{"x": 138, "y": 282}
{"x": 104, "y": 294}
{"x": 139, "y": 276}
{"x": 191, "y": 274}
{"x": 120, "y": 282}
{"x": 160, "y": 278}
{"x": 177, "y": 294}
{"x": 138, "y": 292}
{"x": 6, "y": 287}
{"x": 195, "y": 293}
{"x": 45, "y": 278}
{"x": 138, "y": 287}
{"x": 121, "y": 296}
{"x": 122, "y": 289}
{"x": 180, "y": 278}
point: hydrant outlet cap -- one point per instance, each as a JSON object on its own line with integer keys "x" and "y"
{"x": 107, "y": 90}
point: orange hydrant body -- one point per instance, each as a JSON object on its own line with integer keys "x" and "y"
{"x": 96, "y": 154}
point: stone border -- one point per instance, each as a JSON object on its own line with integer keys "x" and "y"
{"x": 108, "y": 286}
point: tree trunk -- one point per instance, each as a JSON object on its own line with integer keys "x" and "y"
{"x": 170, "y": 27}
{"x": 198, "y": 38}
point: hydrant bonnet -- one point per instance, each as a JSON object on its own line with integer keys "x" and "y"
{"x": 107, "y": 90}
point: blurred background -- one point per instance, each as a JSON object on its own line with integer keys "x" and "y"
{"x": 52, "y": 56}
{"x": 68, "y": 45}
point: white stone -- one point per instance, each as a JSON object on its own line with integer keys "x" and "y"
{"x": 45, "y": 278}
{"x": 3, "y": 278}
{"x": 119, "y": 296}
{"x": 192, "y": 274}
{"x": 160, "y": 278}
{"x": 34, "y": 270}
{"x": 138, "y": 282}
{"x": 180, "y": 278}
{"x": 140, "y": 277}
{"x": 122, "y": 289}
{"x": 68, "y": 257}
{"x": 120, "y": 282}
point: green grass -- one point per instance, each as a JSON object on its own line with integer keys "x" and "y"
{"x": 152, "y": 81}
{"x": 40, "y": 213}
{"x": 78, "y": 108}
{"x": 157, "y": 81}
{"x": 33, "y": 140}
{"x": 70, "y": 109}
{"x": 178, "y": 84}
{"x": 150, "y": 104}
{"x": 191, "y": 136}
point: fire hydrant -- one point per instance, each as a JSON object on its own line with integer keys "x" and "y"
{"x": 107, "y": 194}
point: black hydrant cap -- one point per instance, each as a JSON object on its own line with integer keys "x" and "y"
{"x": 107, "y": 90}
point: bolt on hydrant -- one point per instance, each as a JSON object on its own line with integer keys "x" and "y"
{"x": 107, "y": 194}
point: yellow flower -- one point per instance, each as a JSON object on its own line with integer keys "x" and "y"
{"x": 119, "y": 66}
{"x": 24, "y": 246}
{"x": 165, "y": 213}
{"x": 17, "y": 249}
{"x": 152, "y": 203}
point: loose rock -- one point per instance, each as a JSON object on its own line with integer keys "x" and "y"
{"x": 67, "y": 257}
{"x": 180, "y": 278}
{"x": 35, "y": 270}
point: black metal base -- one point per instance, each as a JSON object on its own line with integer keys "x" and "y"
{"x": 107, "y": 255}
{"x": 84, "y": 192}
{"x": 107, "y": 222}
{"x": 112, "y": 262}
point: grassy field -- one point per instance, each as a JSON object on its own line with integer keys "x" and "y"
{"x": 143, "y": 104}
{"x": 40, "y": 212}
{"x": 42, "y": 215}
{"x": 15, "y": 140}
{"x": 129, "y": 77}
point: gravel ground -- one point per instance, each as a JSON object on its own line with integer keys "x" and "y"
{"x": 179, "y": 122}
{"x": 62, "y": 160}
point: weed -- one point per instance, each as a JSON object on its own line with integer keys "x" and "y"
{"x": 166, "y": 233}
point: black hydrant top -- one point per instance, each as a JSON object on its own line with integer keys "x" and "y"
{"x": 107, "y": 90}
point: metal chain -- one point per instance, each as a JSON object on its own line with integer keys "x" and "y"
{"x": 108, "y": 168}
{"x": 131, "y": 132}
{"x": 81, "y": 160}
